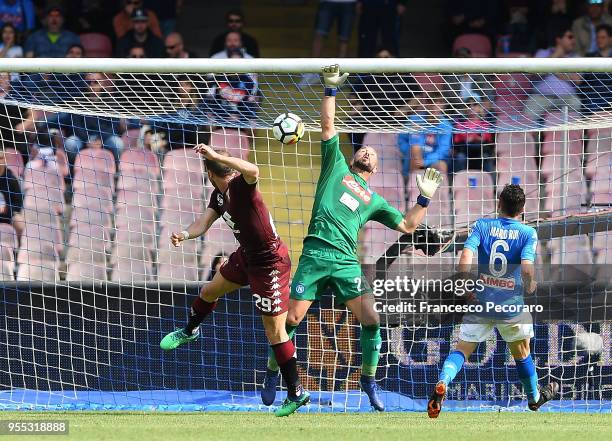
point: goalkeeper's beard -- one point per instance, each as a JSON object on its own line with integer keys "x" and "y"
{"x": 362, "y": 166}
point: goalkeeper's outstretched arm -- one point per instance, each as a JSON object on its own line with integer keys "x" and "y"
{"x": 428, "y": 184}
{"x": 332, "y": 80}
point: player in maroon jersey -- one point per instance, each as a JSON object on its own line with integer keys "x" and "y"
{"x": 261, "y": 261}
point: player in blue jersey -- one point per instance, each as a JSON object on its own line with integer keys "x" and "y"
{"x": 506, "y": 254}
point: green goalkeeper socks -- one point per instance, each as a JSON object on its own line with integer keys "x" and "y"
{"x": 370, "y": 349}
{"x": 272, "y": 365}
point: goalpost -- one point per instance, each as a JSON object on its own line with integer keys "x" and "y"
{"x": 101, "y": 149}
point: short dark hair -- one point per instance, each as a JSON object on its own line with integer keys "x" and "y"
{"x": 512, "y": 199}
{"x": 237, "y": 12}
{"x": 80, "y": 46}
{"x": 604, "y": 27}
{"x": 218, "y": 169}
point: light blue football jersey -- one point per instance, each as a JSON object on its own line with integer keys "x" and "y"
{"x": 501, "y": 244}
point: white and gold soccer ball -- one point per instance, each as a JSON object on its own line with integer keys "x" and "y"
{"x": 288, "y": 128}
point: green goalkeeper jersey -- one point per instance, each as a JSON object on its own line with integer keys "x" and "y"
{"x": 344, "y": 203}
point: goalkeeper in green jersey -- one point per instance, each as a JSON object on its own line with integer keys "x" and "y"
{"x": 343, "y": 203}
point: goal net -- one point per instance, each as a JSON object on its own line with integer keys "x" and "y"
{"x": 101, "y": 171}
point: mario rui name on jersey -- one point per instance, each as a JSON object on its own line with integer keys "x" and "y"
{"x": 421, "y": 306}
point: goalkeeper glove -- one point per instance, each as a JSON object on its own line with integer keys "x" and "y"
{"x": 332, "y": 79}
{"x": 428, "y": 184}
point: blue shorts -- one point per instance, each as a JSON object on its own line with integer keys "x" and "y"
{"x": 343, "y": 13}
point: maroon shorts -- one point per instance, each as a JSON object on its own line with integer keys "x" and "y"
{"x": 269, "y": 283}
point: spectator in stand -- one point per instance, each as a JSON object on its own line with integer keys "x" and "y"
{"x": 11, "y": 196}
{"x": 233, "y": 97}
{"x": 174, "y": 135}
{"x": 166, "y": 11}
{"x": 53, "y": 41}
{"x": 11, "y": 120}
{"x": 342, "y": 12}
{"x": 123, "y": 22}
{"x": 217, "y": 262}
{"x": 584, "y": 28}
{"x": 429, "y": 143}
{"x": 9, "y": 47}
{"x": 235, "y": 23}
{"x": 80, "y": 129}
{"x": 459, "y": 88}
{"x": 175, "y": 48}
{"x": 596, "y": 87}
{"x": 555, "y": 90}
{"x": 75, "y": 51}
{"x": 518, "y": 28}
{"x": 379, "y": 17}
{"x": 140, "y": 35}
{"x": 473, "y": 140}
{"x": 84, "y": 16}
{"x": 551, "y": 17}
{"x": 137, "y": 51}
{"x": 472, "y": 17}
{"x": 233, "y": 47}
{"x": 380, "y": 96}
{"x": 19, "y": 13}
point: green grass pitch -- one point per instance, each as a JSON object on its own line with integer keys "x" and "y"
{"x": 450, "y": 426}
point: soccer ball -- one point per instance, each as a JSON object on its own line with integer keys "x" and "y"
{"x": 288, "y": 128}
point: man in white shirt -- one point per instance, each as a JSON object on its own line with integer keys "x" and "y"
{"x": 233, "y": 46}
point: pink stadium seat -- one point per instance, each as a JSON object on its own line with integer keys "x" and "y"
{"x": 86, "y": 257}
{"x": 511, "y": 119}
{"x": 599, "y": 140}
{"x": 14, "y": 161}
{"x": 473, "y": 197}
{"x": 184, "y": 160}
{"x": 599, "y": 169}
{"x": 574, "y": 196}
{"x": 131, "y": 269}
{"x": 94, "y": 168}
{"x": 577, "y": 251}
{"x": 389, "y": 154}
{"x": 96, "y": 45}
{"x": 174, "y": 180}
{"x": 514, "y": 144}
{"x": 177, "y": 263}
{"x": 602, "y": 247}
{"x": 218, "y": 240}
{"x": 479, "y": 44}
{"x": 138, "y": 163}
{"x": 40, "y": 175}
{"x": 376, "y": 238}
{"x": 41, "y": 245}
{"x": 554, "y": 140}
{"x": 551, "y": 166}
{"x": 8, "y": 245}
{"x": 232, "y": 140}
{"x": 131, "y": 139}
{"x": 430, "y": 82}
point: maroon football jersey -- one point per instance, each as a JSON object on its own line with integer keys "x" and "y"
{"x": 245, "y": 213}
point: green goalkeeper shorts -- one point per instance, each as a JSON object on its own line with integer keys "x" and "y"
{"x": 322, "y": 266}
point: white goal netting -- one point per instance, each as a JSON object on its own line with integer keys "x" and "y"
{"x": 100, "y": 170}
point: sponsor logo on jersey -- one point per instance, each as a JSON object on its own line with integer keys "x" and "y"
{"x": 357, "y": 189}
{"x": 497, "y": 282}
{"x": 220, "y": 199}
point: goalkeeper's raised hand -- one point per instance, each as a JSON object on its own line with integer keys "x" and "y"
{"x": 428, "y": 184}
{"x": 332, "y": 78}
